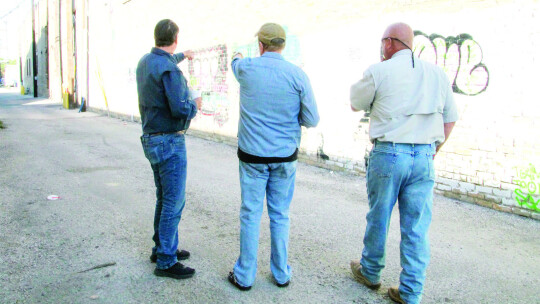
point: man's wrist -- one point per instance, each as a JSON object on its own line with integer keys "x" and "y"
{"x": 237, "y": 55}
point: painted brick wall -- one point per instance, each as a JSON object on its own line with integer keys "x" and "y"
{"x": 487, "y": 48}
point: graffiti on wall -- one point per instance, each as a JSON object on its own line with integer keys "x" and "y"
{"x": 460, "y": 57}
{"x": 528, "y": 182}
{"x": 208, "y": 74}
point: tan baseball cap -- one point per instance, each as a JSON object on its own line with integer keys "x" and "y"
{"x": 271, "y": 34}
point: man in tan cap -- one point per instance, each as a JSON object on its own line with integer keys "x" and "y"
{"x": 412, "y": 114}
{"x": 275, "y": 101}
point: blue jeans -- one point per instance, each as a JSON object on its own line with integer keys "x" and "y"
{"x": 402, "y": 172}
{"x": 276, "y": 181}
{"x": 167, "y": 156}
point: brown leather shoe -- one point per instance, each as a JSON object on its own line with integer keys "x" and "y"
{"x": 393, "y": 292}
{"x": 356, "y": 269}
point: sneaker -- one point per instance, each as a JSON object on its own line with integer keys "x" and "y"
{"x": 180, "y": 255}
{"x": 393, "y": 292}
{"x": 356, "y": 269}
{"x": 176, "y": 271}
{"x": 232, "y": 279}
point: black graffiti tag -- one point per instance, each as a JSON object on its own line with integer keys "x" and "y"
{"x": 460, "y": 57}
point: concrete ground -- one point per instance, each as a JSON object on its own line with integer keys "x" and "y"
{"x": 105, "y": 211}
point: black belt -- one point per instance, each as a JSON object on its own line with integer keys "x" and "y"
{"x": 253, "y": 159}
{"x": 164, "y": 133}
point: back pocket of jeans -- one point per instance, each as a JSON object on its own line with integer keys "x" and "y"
{"x": 381, "y": 164}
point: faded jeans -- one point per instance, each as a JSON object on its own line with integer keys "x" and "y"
{"x": 403, "y": 173}
{"x": 167, "y": 156}
{"x": 276, "y": 181}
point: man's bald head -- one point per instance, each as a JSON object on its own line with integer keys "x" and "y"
{"x": 402, "y": 38}
{"x": 401, "y": 31}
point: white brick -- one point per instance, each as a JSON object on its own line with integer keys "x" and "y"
{"x": 492, "y": 183}
{"x": 509, "y": 201}
{"x": 443, "y": 187}
{"x": 487, "y": 190}
{"x": 467, "y": 186}
{"x": 448, "y": 182}
{"x": 502, "y": 193}
{"x": 493, "y": 198}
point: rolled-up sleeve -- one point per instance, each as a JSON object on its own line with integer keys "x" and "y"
{"x": 179, "y": 57}
{"x": 309, "y": 114}
{"x": 177, "y": 96}
{"x": 236, "y": 67}
{"x": 363, "y": 92}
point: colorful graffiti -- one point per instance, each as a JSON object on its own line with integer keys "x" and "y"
{"x": 208, "y": 74}
{"x": 528, "y": 181}
{"x": 460, "y": 57}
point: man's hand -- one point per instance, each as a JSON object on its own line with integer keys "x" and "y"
{"x": 189, "y": 54}
{"x": 237, "y": 55}
{"x": 447, "y": 130}
{"x": 198, "y": 101}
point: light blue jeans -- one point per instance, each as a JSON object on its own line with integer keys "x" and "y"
{"x": 167, "y": 156}
{"x": 276, "y": 181}
{"x": 403, "y": 173}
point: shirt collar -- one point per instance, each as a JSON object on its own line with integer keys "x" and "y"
{"x": 272, "y": 55}
{"x": 161, "y": 52}
{"x": 405, "y": 52}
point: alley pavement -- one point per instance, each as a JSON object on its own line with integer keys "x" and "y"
{"x": 92, "y": 245}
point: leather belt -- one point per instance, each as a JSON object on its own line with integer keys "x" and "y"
{"x": 182, "y": 132}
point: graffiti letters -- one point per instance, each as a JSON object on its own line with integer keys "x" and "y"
{"x": 460, "y": 57}
{"x": 528, "y": 181}
{"x": 208, "y": 74}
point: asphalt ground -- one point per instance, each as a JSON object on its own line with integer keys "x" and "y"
{"x": 105, "y": 212}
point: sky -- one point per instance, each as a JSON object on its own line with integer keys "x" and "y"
{"x": 11, "y": 14}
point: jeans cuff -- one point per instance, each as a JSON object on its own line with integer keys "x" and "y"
{"x": 160, "y": 265}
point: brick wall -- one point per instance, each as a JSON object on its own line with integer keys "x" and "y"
{"x": 487, "y": 48}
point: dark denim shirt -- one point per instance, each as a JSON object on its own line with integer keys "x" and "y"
{"x": 164, "y": 104}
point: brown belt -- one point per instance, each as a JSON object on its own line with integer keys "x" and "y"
{"x": 163, "y": 133}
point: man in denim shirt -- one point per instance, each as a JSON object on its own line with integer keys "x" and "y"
{"x": 166, "y": 110}
{"x": 275, "y": 100}
{"x": 412, "y": 115}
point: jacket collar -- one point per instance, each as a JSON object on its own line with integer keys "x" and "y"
{"x": 405, "y": 52}
{"x": 160, "y": 52}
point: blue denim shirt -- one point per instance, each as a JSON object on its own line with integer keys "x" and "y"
{"x": 163, "y": 93}
{"x": 275, "y": 100}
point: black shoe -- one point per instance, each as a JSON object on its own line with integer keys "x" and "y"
{"x": 284, "y": 284}
{"x": 232, "y": 279}
{"x": 180, "y": 255}
{"x": 177, "y": 271}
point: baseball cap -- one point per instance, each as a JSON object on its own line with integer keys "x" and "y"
{"x": 271, "y": 34}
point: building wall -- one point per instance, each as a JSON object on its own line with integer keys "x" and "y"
{"x": 25, "y": 53}
{"x": 487, "y": 48}
{"x": 55, "y": 78}
{"x": 25, "y": 49}
{"x": 41, "y": 11}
